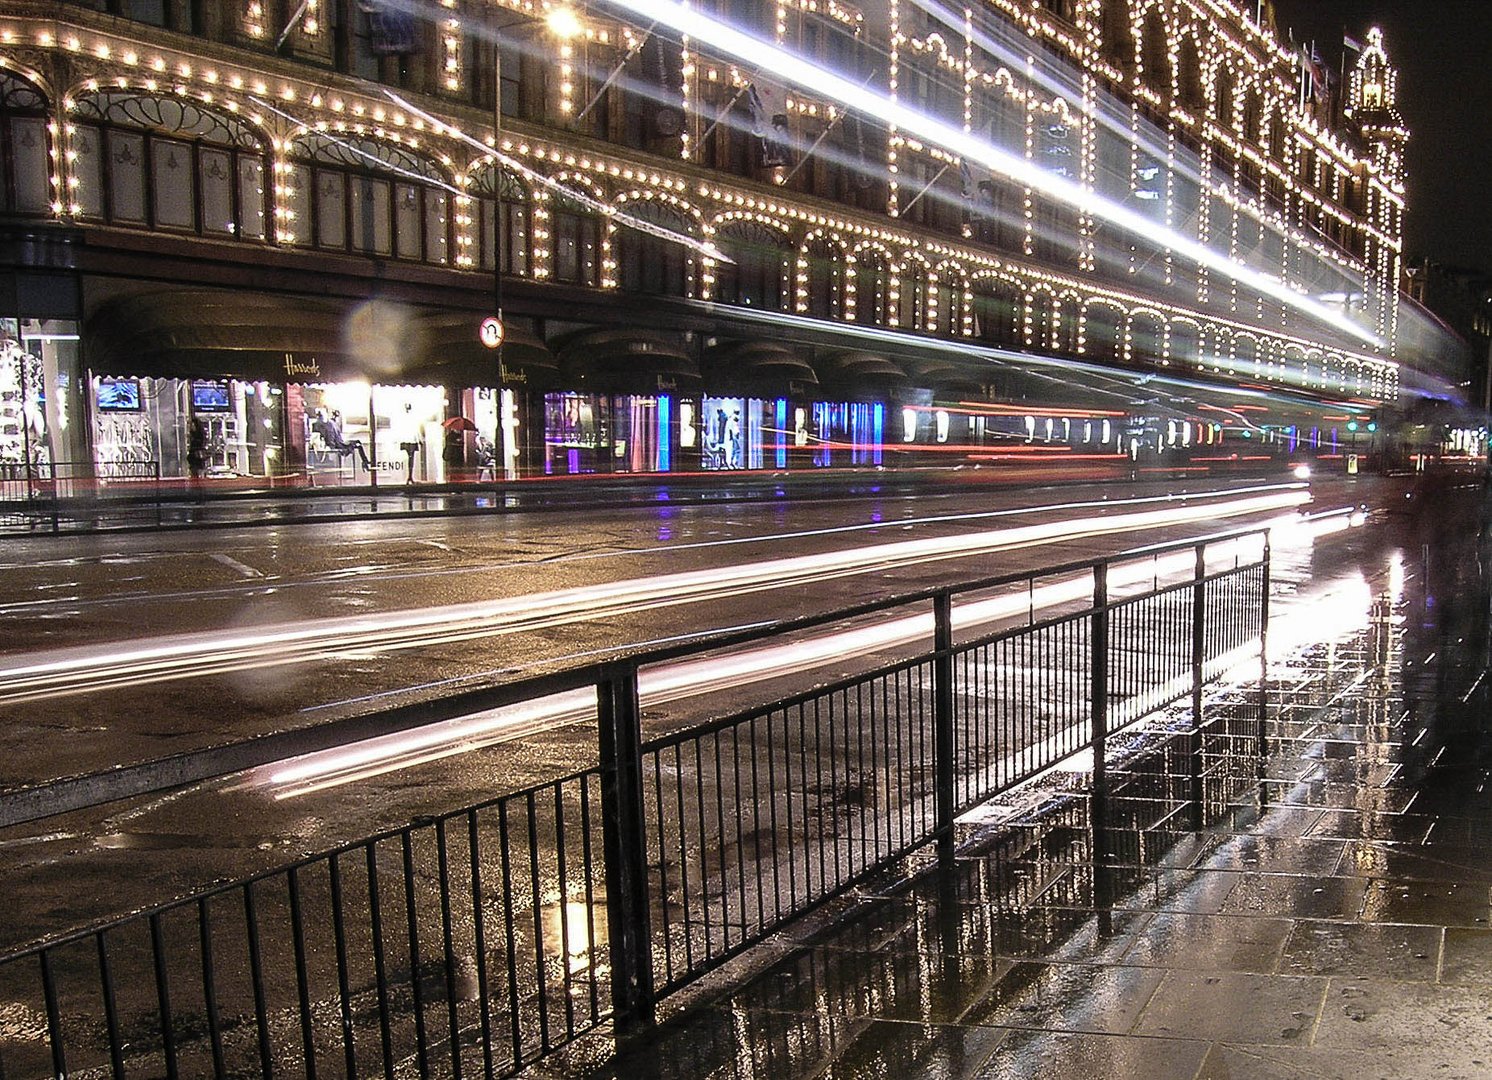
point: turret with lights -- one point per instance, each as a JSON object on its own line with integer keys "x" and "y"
{"x": 1372, "y": 106}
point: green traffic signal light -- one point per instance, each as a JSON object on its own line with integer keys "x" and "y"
{"x": 1352, "y": 425}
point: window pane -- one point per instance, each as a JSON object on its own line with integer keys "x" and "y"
{"x": 217, "y": 191}
{"x": 566, "y": 259}
{"x": 489, "y": 234}
{"x": 90, "y": 192}
{"x": 29, "y": 141}
{"x": 331, "y": 209}
{"x": 516, "y": 260}
{"x": 590, "y": 252}
{"x": 371, "y": 227}
{"x": 127, "y": 176}
{"x": 297, "y": 227}
{"x": 175, "y": 189}
{"x": 407, "y": 210}
{"x": 251, "y": 198}
{"x": 435, "y": 226}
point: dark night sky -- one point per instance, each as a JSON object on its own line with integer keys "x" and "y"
{"x": 1443, "y": 49}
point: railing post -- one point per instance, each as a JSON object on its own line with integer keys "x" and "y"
{"x": 943, "y": 749}
{"x": 1199, "y": 625}
{"x": 1098, "y": 704}
{"x": 1263, "y": 735}
{"x": 624, "y": 841}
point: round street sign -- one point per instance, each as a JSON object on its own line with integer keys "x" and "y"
{"x": 491, "y": 332}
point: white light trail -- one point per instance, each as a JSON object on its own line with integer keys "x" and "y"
{"x": 792, "y": 68}
{"x": 584, "y": 198}
{"x": 715, "y": 674}
{"x": 87, "y": 669}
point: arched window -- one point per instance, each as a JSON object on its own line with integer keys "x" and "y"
{"x": 1146, "y": 343}
{"x": 872, "y": 288}
{"x": 651, "y": 264}
{"x": 1101, "y": 332}
{"x": 1189, "y": 73}
{"x": 1245, "y": 354}
{"x": 997, "y": 312}
{"x": 761, "y": 258}
{"x": 1153, "y": 53}
{"x": 824, "y": 274}
{"x": 24, "y": 177}
{"x": 1039, "y": 320}
{"x": 1118, "y": 35}
{"x": 502, "y": 220}
{"x": 1223, "y": 103}
{"x": 168, "y": 164}
{"x": 1065, "y": 325}
{"x": 575, "y": 242}
{"x": 951, "y": 296}
{"x": 368, "y": 198}
{"x": 911, "y": 299}
{"x": 1251, "y": 116}
{"x": 1186, "y": 344}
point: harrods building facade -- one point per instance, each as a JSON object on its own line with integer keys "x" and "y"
{"x": 240, "y": 216}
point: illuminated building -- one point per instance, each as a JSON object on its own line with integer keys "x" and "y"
{"x": 200, "y": 197}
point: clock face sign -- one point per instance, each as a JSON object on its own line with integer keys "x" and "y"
{"x": 491, "y": 332}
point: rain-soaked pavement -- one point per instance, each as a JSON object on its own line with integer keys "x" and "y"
{"x": 1329, "y": 919}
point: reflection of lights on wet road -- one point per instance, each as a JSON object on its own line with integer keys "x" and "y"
{"x": 92, "y": 668}
{"x": 1338, "y": 612}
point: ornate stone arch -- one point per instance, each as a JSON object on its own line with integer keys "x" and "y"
{"x": 1040, "y": 304}
{"x": 820, "y": 275}
{"x": 1067, "y": 322}
{"x": 573, "y": 215}
{"x": 1145, "y": 337}
{"x": 1189, "y": 87}
{"x": 1244, "y": 352}
{"x": 1152, "y": 55}
{"x": 1185, "y": 341}
{"x": 913, "y": 279}
{"x": 500, "y": 206}
{"x": 1102, "y": 329}
{"x": 997, "y": 303}
{"x": 868, "y": 292}
{"x": 951, "y": 309}
{"x": 648, "y": 263}
{"x": 763, "y": 254}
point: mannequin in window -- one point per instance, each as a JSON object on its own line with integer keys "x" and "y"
{"x": 331, "y": 434}
{"x": 407, "y": 428}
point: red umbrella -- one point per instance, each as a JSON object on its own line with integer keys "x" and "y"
{"x": 458, "y": 423}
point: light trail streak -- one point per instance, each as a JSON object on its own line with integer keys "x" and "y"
{"x": 715, "y": 674}
{"x": 1339, "y": 611}
{"x": 794, "y": 69}
{"x": 577, "y": 194}
{"x": 113, "y": 665}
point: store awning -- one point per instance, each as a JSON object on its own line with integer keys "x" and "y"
{"x": 766, "y": 368}
{"x": 854, "y": 372}
{"x": 937, "y": 374}
{"x": 211, "y": 334}
{"x": 625, "y": 361}
{"x": 195, "y": 334}
{"x": 454, "y": 352}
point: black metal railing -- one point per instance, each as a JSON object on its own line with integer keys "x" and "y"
{"x": 475, "y": 943}
{"x": 37, "y": 495}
